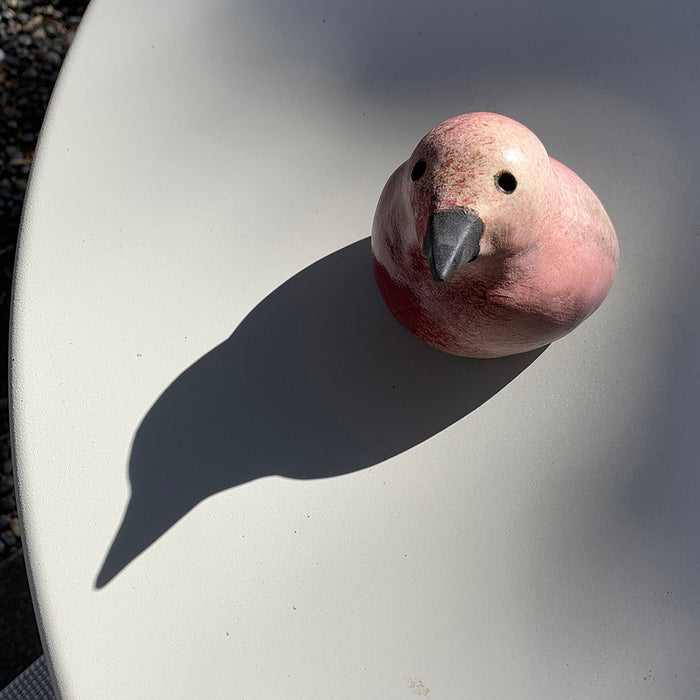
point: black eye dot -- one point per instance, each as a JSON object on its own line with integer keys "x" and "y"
{"x": 506, "y": 182}
{"x": 418, "y": 170}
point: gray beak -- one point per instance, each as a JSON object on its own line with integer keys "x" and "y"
{"x": 451, "y": 240}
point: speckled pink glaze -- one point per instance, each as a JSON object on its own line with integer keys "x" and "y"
{"x": 548, "y": 255}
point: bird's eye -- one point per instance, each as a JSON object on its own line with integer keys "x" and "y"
{"x": 506, "y": 182}
{"x": 418, "y": 170}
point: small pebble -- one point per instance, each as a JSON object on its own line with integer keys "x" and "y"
{"x": 5, "y": 521}
{"x": 33, "y": 23}
{"x": 7, "y": 465}
{"x": 14, "y": 152}
{"x": 8, "y": 504}
{"x": 15, "y": 528}
{"x": 8, "y": 538}
{"x": 6, "y": 487}
{"x": 54, "y": 57}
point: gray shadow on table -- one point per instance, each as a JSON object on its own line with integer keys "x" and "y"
{"x": 318, "y": 380}
{"x": 393, "y": 46}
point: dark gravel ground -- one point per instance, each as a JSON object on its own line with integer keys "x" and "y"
{"x": 34, "y": 38}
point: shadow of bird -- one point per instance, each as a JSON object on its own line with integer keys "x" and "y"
{"x": 318, "y": 380}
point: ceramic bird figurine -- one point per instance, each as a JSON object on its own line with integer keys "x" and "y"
{"x": 484, "y": 246}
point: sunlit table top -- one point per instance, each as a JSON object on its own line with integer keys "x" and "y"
{"x": 239, "y": 477}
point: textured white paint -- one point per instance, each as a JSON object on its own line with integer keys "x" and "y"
{"x": 197, "y": 156}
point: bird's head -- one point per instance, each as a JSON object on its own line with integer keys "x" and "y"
{"x": 481, "y": 187}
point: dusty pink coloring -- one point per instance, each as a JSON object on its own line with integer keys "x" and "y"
{"x": 548, "y": 254}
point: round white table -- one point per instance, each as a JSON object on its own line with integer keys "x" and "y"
{"x": 238, "y": 477}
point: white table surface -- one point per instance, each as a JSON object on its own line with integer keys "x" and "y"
{"x": 238, "y": 483}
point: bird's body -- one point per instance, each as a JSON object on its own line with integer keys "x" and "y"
{"x": 483, "y": 246}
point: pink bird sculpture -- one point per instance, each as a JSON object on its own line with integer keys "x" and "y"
{"x": 484, "y": 246}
